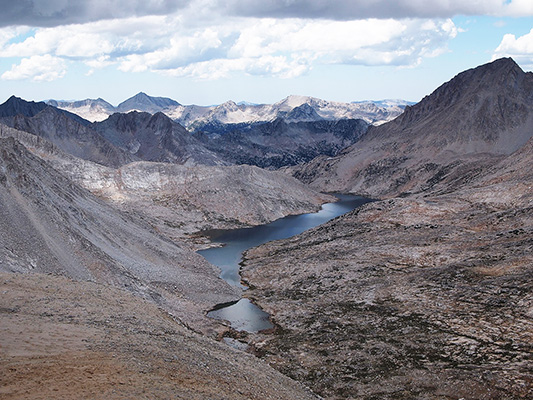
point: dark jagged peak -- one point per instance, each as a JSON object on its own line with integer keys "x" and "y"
{"x": 121, "y": 125}
{"x": 487, "y": 108}
{"x": 125, "y": 120}
{"x": 120, "y": 128}
{"x": 142, "y": 102}
{"x": 154, "y": 138}
{"x": 160, "y": 121}
{"x": 15, "y": 106}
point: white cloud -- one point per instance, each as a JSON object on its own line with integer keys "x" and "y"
{"x": 278, "y": 66}
{"x": 76, "y": 41}
{"x": 182, "y": 49}
{"x": 100, "y": 62}
{"x": 520, "y": 49}
{"x": 290, "y": 47}
{"x": 37, "y": 68}
{"x": 211, "y": 47}
{"x": 7, "y": 34}
{"x": 83, "y": 45}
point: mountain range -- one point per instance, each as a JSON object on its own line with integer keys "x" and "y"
{"x": 141, "y": 136}
{"x": 191, "y": 116}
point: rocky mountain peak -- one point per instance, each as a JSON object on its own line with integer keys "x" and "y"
{"x": 126, "y": 121}
{"x": 94, "y": 103}
{"x": 160, "y": 121}
{"x": 292, "y": 101}
{"x": 304, "y": 112}
{"x": 483, "y": 113}
{"x": 15, "y": 106}
{"x": 142, "y": 102}
{"x": 229, "y": 105}
{"x": 498, "y": 92}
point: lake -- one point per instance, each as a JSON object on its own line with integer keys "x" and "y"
{"x": 244, "y": 315}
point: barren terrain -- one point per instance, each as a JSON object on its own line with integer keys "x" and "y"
{"x": 61, "y": 339}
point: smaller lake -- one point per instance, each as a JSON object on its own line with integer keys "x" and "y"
{"x": 244, "y": 315}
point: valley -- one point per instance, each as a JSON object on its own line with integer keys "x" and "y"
{"x": 425, "y": 293}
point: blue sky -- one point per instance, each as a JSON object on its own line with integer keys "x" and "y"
{"x": 209, "y": 51}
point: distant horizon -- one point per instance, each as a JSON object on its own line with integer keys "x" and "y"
{"x": 202, "y": 105}
{"x": 205, "y": 53}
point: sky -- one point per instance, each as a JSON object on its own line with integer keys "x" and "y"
{"x": 209, "y": 51}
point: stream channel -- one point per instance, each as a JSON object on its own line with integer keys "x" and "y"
{"x": 243, "y": 315}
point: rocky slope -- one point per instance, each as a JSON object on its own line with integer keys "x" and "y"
{"x": 62, "y": 339}
{"x": 280, "y": 143}
{"x": 425, "y": 309}
{"x": 154, "y": 138}
{"x": 478, "y": 116}
{"x": 51, "y": 225}
{"x": 180, "y": 201}
{"x": 409, "y": 298}
{"x": 422, "y": 296}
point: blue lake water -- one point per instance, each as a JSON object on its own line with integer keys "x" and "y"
{"x": 244, "y": 315}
